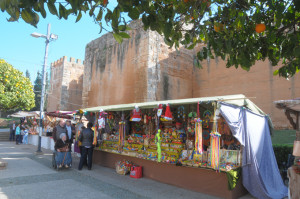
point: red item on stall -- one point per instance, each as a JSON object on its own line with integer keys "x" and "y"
{"x": 168, "y": 113}
{"x": 136, "y": 172}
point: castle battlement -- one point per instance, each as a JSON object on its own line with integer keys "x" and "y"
{"x": 64, "y": 59}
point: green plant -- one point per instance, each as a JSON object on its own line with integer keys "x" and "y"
{"x": 15, "y": 90}
{"x": 191, "y": 22}
{"x": 282, "y": 152}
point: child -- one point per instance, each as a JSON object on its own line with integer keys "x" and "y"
{"x": 25, "y": 137}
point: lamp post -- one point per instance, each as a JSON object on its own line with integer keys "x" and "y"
{"x": 49, "y": 37}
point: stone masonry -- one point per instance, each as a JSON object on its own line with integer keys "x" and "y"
{"x": 65, "y": 85}
{"x": 143, "y": 68}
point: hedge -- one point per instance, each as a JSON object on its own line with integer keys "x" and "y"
{"x": 281, "y": 153}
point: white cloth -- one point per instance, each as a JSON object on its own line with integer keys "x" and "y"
{"x": 260, "y": 172}
{"x": 69, "y": 129}
{"x": 14, "y": 126}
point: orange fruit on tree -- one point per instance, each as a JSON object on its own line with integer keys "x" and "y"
{"x": 185, "y": 1}
{"x": 218, "y": 27}
{"x": 259, "y": 28}
{"x": 105, "y": 2}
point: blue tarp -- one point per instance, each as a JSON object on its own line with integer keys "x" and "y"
{"x": 260, "y": 172}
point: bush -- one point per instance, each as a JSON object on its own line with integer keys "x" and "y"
{"x": 281, "y": 153}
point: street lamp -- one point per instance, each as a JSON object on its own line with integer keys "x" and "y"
{"x": 49, "y": 37}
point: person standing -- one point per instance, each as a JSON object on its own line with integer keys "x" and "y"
{"x": 12, "y": 131}
{"x": 70, "y": 134}
{"x": 18, "y": 133}
{"x": 86, "y": 138}
{"x": 59, "y": 129}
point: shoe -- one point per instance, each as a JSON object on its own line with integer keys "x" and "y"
{"x": 60, "y": 166}
{"x": 79, "y": 169}
{"x": 66, "y": 166}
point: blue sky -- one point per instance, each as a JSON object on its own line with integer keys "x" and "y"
{"x": 23, "y": 51}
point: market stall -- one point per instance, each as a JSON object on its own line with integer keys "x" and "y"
{"x": 292, "y": 112}
{"x": 191, "y": 143}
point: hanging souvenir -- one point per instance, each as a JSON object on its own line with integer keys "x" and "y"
{"x": 198, "y": 136}
{"x": 215, "y": 143}
{"x": 136, "y": 114}
{"x": 206, "y": 115}
{"x": 158, "y": 144}
{"x": 168, "y": 113}
{"x": 159, "y": 110}
{"x": 215, "y": 150}
{"x": 121, "y": 133}
{"x": 101, "y": 119}
{"x": 180, "y": 112}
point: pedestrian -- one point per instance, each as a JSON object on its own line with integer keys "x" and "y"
{"x": 59, "y": 129}
{"x": 23, "y": 127}
{"x": 86, "y": 138}
{"x": 18, "y": 133}
{"x": 12, "y": 131}
{"x": 63, "y": 155}
{"x": 71, "y": 133}
{"x": 25, "y": 137}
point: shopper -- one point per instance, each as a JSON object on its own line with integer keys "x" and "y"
{"x": 86, "y": 138}
{"x": 59, "y": 129}
{"x": 18, "y": 133}
{"x": 12, "y": 131}
{"x": 63, "y": 155}
{"x": 25, "y": 137}
{"x": 70, "y": 133}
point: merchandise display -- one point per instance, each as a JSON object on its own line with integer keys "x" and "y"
{"x": 166, "y": 134}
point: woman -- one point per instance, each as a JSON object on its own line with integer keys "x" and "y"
{"x": 18, "y": 133}
{"x": 86, "y": 137}
{"x": 63, "y": 155}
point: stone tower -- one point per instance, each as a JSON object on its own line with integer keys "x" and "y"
{"x": 65, "y": 92}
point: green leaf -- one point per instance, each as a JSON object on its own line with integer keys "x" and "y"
{"x": 167, "y": 29}
{"x": 118, "y": 38}
{"x": 28, "y": 16}
{"x": 275, "y": 72}
{"x": 62, "y": 12}
{"x": 52, "y": 8}
{"x": 78, "y": 17}
{"x": 99, "y": 16}
{"x": 134, "y": 13}
{"x": 124, "y": 35}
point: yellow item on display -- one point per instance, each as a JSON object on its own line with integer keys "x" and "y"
{"x": 158, "y": 144}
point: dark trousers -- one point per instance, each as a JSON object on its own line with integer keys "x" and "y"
{"x": 86, "y": 152}
{"x": 12, "y": 135}
{"x": 18, "y": 139}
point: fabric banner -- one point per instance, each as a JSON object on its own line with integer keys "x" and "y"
{"x": 260, "y": 172}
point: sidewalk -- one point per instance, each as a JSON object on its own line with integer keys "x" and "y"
{"x": 31, "y": 176}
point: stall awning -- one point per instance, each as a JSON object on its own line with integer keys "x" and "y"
{"x": 289, "y": 104}
{"x": 22, "y": 114}
{"x": 239, "y": 100}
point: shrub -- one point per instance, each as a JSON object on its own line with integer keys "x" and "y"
{"x": 282, "y": 152}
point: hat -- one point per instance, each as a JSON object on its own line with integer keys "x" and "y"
{"x": 178, "y": 123}
{"x": 168, "y": 113}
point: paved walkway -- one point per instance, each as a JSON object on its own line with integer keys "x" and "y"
{"x": 31, "y": 176}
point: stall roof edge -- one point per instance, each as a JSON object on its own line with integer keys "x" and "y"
{"x": 239, "y": 100}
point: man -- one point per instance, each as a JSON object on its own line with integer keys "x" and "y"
{"x": 59, "y": 129}
{"x": 86, "y": 137}
{"x": 70, "y": 133}
{"x": 12, "y": 131}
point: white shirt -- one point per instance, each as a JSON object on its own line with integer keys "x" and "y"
{"x": 69, "y": 129}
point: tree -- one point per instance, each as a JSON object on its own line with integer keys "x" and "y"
{"x": 239, "y": 31}
{"x": 38, "y": 91}
{"x": 27, "y": 74}
{"x": 15, "y": 89}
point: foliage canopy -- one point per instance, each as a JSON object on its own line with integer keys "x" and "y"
{"x": 15, "y": 89}
{"x": 226, "y": 27}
